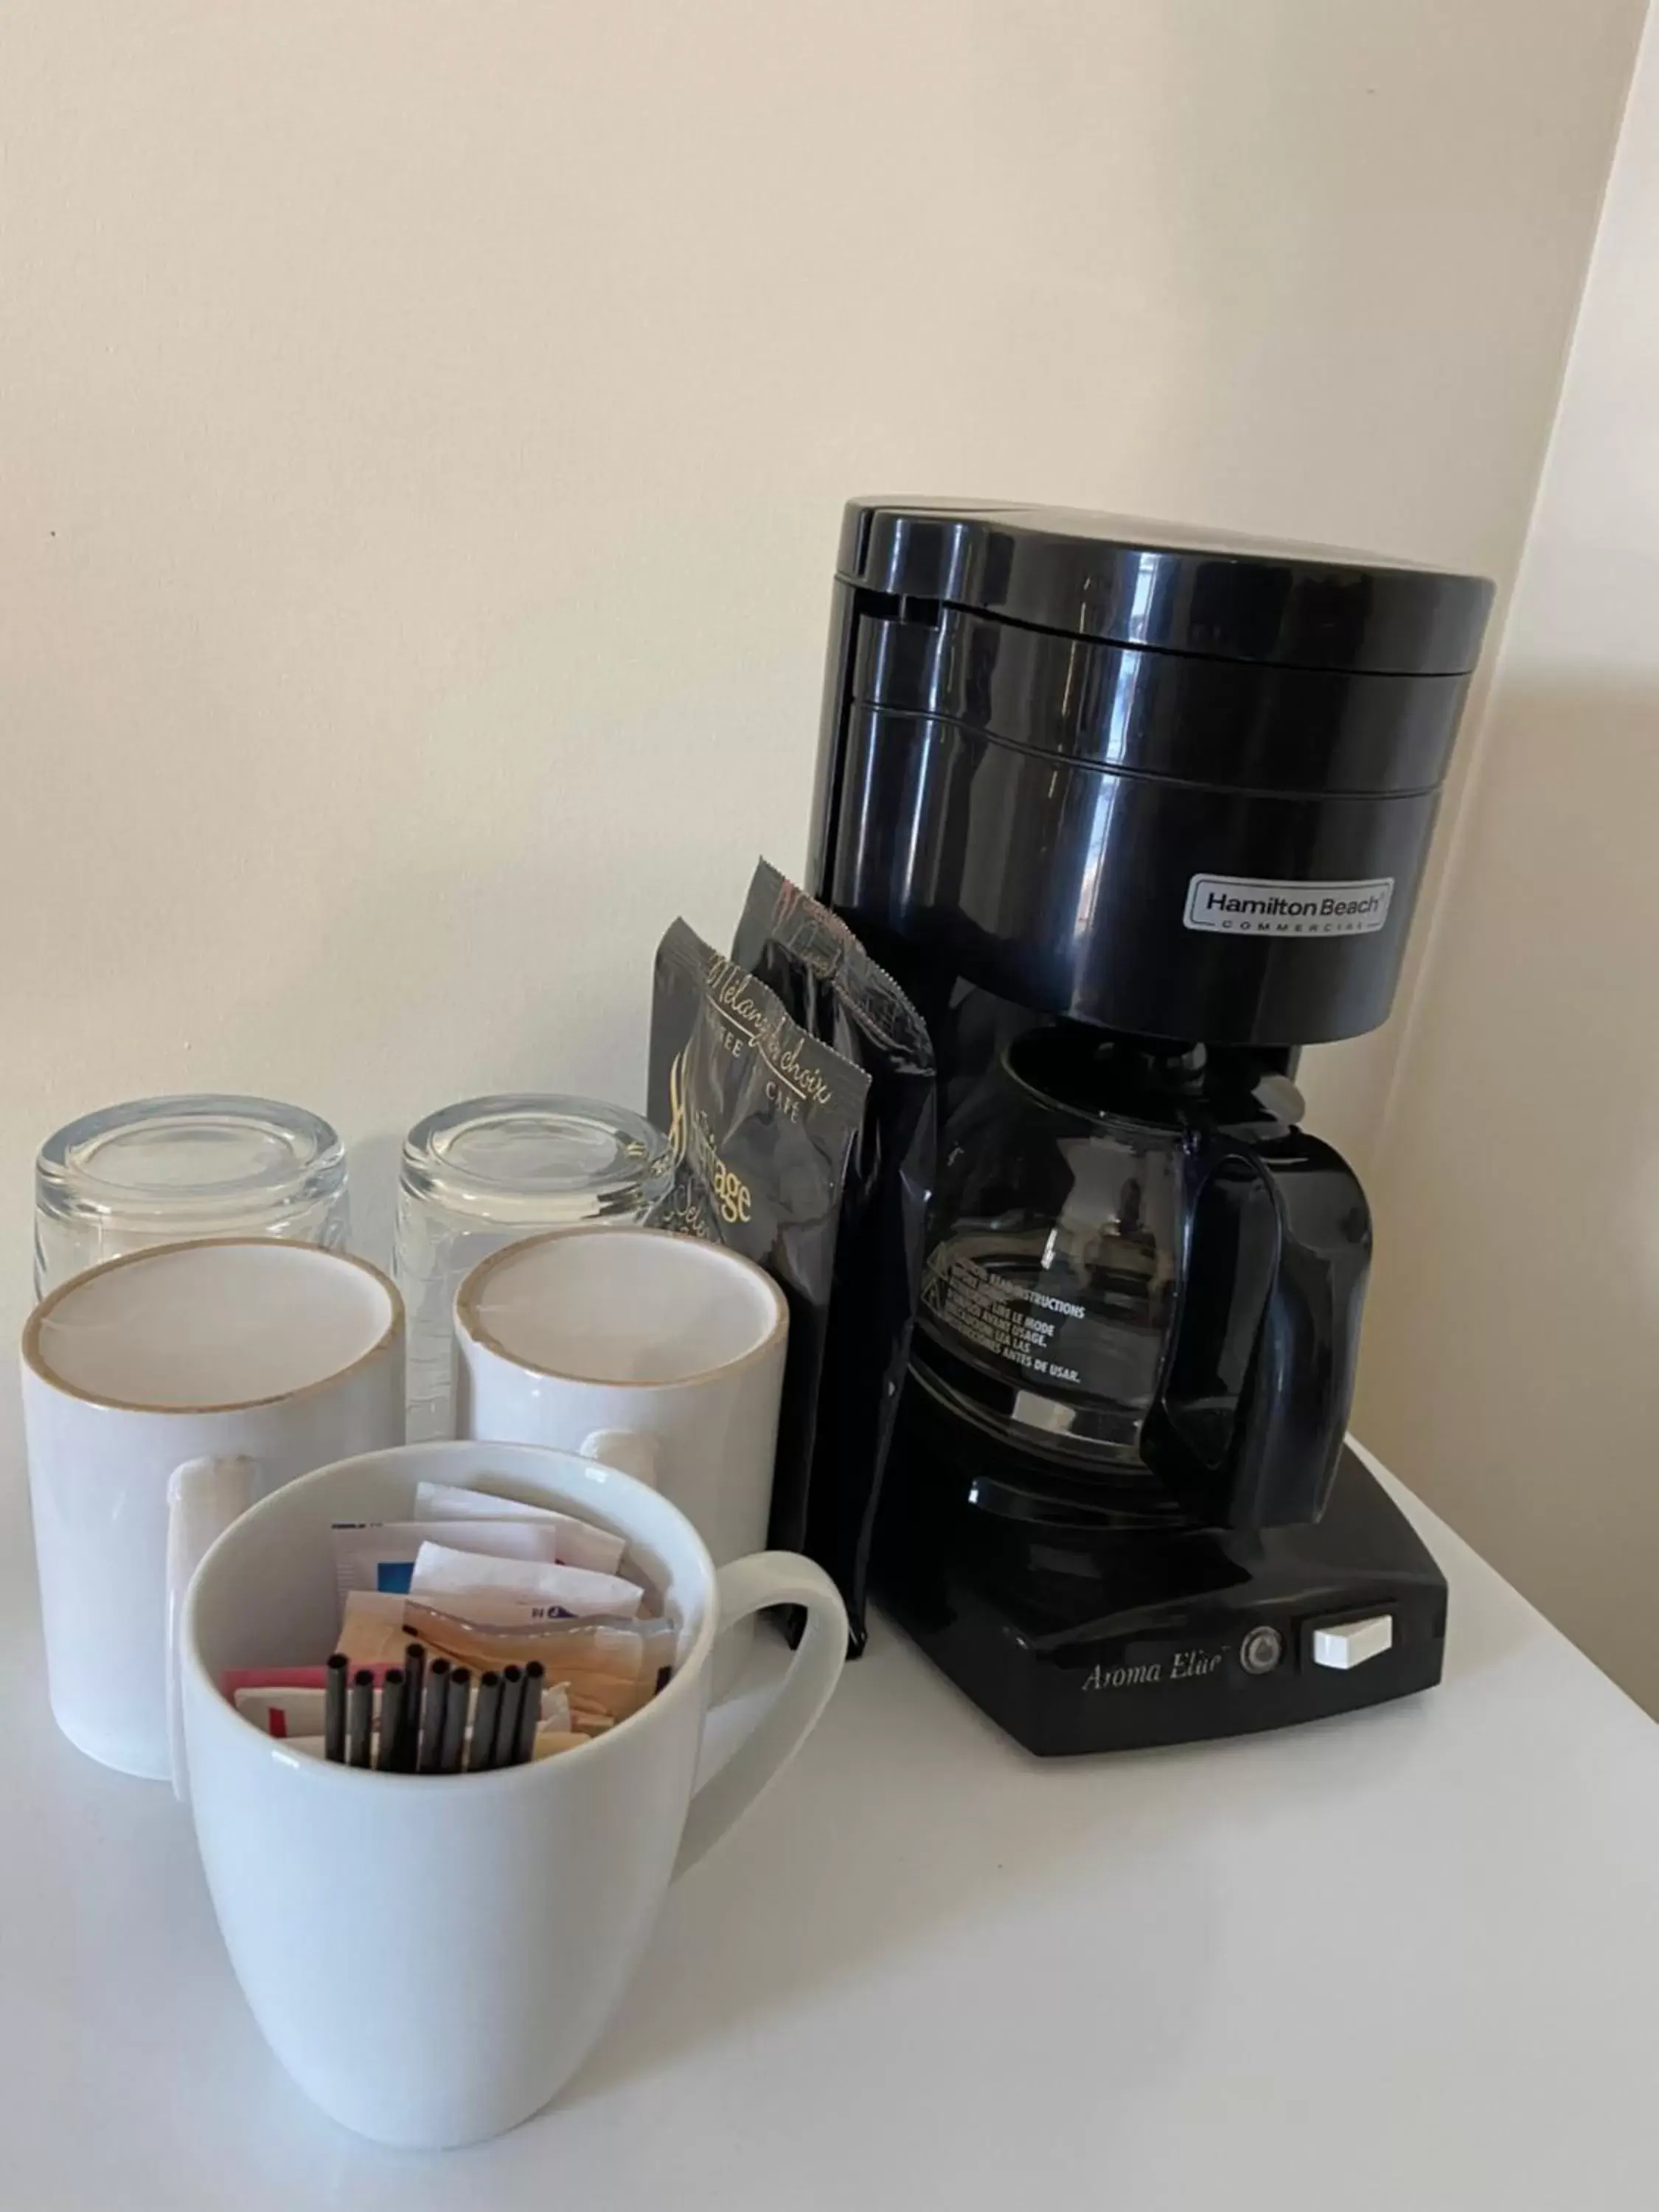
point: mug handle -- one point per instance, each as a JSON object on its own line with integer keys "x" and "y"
{"x": 204, "y": 1495}
{"x": 633, "y": 1450}
{"x": 746, "y": 1587}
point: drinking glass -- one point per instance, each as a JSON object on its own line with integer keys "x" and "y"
{"x": 159, "y": 1170}
{"x": 486, "y": 1172}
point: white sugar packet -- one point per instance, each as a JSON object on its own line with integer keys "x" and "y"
{"x": 555, "y": 1707}
{"x": 516, "y": 1593}
{"x": 379, "y": 1555}
{"x": 579, "y": 1544}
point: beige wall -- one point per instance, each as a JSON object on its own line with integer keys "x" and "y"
{"x": 1512, "y": 1345}
{"x": 424, "y": 428}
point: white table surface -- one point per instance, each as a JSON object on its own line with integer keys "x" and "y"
{"x": 1408, "y": 1960}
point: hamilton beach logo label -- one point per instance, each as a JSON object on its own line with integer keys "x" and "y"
{"x": 1269, "y": 906}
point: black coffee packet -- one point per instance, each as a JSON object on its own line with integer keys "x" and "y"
{"x": 796, "y": 1081}
{"x": 841, "y": 997}
{"x": 761, "y": 1122}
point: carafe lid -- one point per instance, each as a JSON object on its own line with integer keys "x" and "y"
{"x": 1178, "y": 590}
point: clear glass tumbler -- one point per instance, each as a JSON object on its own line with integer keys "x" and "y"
{"x": 487, "y": 1172}
{"x": 156, "y": 1171}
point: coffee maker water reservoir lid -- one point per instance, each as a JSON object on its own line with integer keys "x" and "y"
{"x": 1157, "y": 586}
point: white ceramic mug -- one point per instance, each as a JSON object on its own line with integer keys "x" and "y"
{"x": 163, "y": 1392}
{"x": 658, "y": 1354}
{"x": 432, "y": 1956}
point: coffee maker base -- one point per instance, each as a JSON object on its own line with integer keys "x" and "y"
{"x": 1078, "y": 1640}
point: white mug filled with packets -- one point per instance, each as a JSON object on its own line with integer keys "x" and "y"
{"x": 485, "y": 1632}
{"x": 443, "y": 1706}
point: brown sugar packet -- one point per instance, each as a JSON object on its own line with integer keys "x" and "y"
{"x": 376, "y": 1626}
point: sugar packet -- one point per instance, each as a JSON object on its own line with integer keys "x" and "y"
{"x": 379, "y": 1555}
{"x": 515, "y": 1593}
{"x": 377, "y": 1627}
{"x": 579, "y": 1544}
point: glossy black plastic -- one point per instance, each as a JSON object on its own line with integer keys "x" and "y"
{"x": 1101, "y": 1637}
{"x": 1263, "y": 1459}
{"x": 1156, "y": 584}
{"x": 1225, "y": 722}
{"x": 1064, "y": 887}
{"x": 1040, "y": 727}
{"x": 1040, "y": 730}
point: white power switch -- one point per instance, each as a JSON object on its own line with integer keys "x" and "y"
{"x": 1352, "y": 1641}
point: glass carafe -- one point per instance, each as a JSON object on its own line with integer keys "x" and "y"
{"x": 1139, "y": 1267}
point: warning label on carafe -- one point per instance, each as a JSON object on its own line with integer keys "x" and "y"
{"x": 1010, "y": 1321}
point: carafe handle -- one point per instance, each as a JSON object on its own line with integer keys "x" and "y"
{"x": 1261, "y": 1456}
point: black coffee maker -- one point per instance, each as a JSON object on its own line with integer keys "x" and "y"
{"x": 1134, "y": 815}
